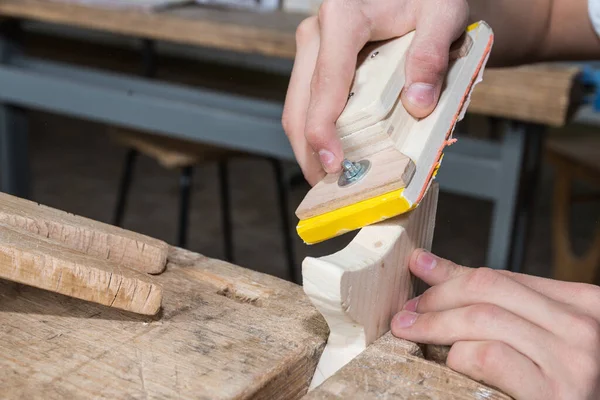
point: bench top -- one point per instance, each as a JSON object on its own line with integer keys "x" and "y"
{"x": 543, "y": 94}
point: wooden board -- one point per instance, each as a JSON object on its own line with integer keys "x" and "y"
{"x": 37, "y": 261}
{"x": 537, "y": 93}
{"x": 270, "y": 33}
{"x": 394, "y": 368}
{"x": 360, "y": 288}
{"x": 224, "y": 333}
{"x": 96, "y": 239}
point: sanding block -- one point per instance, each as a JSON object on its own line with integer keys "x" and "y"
{"x": 391, "y": 157}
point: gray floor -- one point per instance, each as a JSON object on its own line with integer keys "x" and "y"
{"x": 76, "y": 168}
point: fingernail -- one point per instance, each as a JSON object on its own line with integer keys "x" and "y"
{"x": 426, "y": 261}
{"x": 421, "y": 94}
{"x": 412, "y": 304}
{"x": 327, "y": 159}
{"x": 405, "y": 319}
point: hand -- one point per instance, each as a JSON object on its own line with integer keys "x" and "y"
{"x": 531, "y": 337}
{"x": 327, "y": 47}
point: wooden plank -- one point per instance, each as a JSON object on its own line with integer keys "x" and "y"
{"x": 36, "y": 261}
{"x": 97, "y": 239}
{"x": 268, "y": 33}
{"x": 537, "y": 93}
{"x": 543, "y": 93}
{"x": 394, "y": 368}
{"x": 360, "y": 288}
{"x": 224, "y": 333}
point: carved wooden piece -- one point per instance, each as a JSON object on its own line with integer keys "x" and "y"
{"x": 360, "y": 288}
{"x": 392, "y": 368}
{"x": 36, "y": 261}
{"x": 84, "y": 235}
{"x": 224, "y": 333}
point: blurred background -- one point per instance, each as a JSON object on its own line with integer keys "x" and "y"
{"x": 238, "y": 205}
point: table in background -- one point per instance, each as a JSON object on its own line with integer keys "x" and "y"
{"x": 524, "y": 101}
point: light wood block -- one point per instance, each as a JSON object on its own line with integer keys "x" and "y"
{"x": 37, "y": 261}
{"x": 84, "y": 235}
{"x": 360, "y": 288}
{"x": 395, "y": 368}
{"x": 224, "y": 333}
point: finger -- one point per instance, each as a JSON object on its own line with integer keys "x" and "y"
{"x": 499, "y": 365}
{"x": 481, "y": 322}
{"x": 439, "y": 23}
{"x": 298, "y": 97}
{"x": 344, "y": 31}
{"x": 484, "y": 285}
{"x": 435, "y": 270}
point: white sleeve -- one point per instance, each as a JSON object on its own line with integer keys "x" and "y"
{"x": 594, "y": 10}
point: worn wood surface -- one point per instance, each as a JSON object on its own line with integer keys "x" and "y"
{"x": 269, "y": 33}
{"x": 37, "y": 261}
{"x": 394, "y": 369}
{"x": 360, "y": 288}
{"x": 224, "y": 333}
{"x": 87, "y": 236}
{"x": 537, "y": 93}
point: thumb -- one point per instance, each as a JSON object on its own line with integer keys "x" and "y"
{"x": 427, "y": 58}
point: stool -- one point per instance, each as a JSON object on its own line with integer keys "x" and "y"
{"x": 180, "y": 154}
{"x": 573, "y": 158}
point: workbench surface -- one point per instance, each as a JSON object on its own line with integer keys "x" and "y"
{"x": 224, "y": 333}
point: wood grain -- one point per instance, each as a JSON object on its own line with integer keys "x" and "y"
{"x": 209, "y": 342}
{"x": 268, "y": 33}
{"x": 360, "y": 288}
{"x": 97, "y": 239}
{"x": 36, "y": 261}
{"x": 390, "y": 170}
{"x": 394, "y": 368}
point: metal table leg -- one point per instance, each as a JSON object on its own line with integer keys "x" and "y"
{"x": 14, "y": 161}
{"x": 520, "y": 161}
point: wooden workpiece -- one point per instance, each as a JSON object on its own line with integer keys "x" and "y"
{"x": 224, "y": 333}
{"x": 360, "y": 288}
{"x": 394, "y": 368}
{"x": 37, "y": 261}
{"x": 84, "y": 235}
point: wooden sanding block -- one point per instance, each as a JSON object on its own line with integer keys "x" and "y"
{"x": 391, "y": 157}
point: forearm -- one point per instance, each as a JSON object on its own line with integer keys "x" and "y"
{"x": 538, "y": 30}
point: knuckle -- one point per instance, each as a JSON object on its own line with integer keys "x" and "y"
{"x": 306, "y": 30}
{"x": 480, "y": 314}
{"x": 489, "y": 357}
{"x": 587, "y": 332}
{"x": 286, "y": 124}
{"x": 315, "y": 134}
{"x": 481, "y": 280}
{"x": 429, "y": 59}
{"x": 327, "y": 10}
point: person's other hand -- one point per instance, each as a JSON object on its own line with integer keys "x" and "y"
{"x": 327, "y": 46}
{"x": 531, "y": 337}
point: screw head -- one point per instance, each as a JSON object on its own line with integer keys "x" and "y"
{"x": 374, "y": 54}
{"x": 353, "y": 172}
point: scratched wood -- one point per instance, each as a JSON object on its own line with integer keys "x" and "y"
{"x": 224, "y": 333}
{"x": 126, "y": 248}
{"x": 394, "y": 368}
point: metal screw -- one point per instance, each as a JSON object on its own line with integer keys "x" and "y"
{"x": 353, "y": 171}
{"x": 350, "y": 95}
{"x": 374, "y": 54}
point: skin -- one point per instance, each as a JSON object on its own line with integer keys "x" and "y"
{"x": 533, "y": 338}
{"x": 327, "y": 46}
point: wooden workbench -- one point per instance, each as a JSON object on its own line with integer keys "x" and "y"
{"x": 540, "y": 94}
{"x": 224, "y": 333}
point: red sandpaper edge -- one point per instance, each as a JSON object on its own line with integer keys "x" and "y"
{"x": 456, "y": 116}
